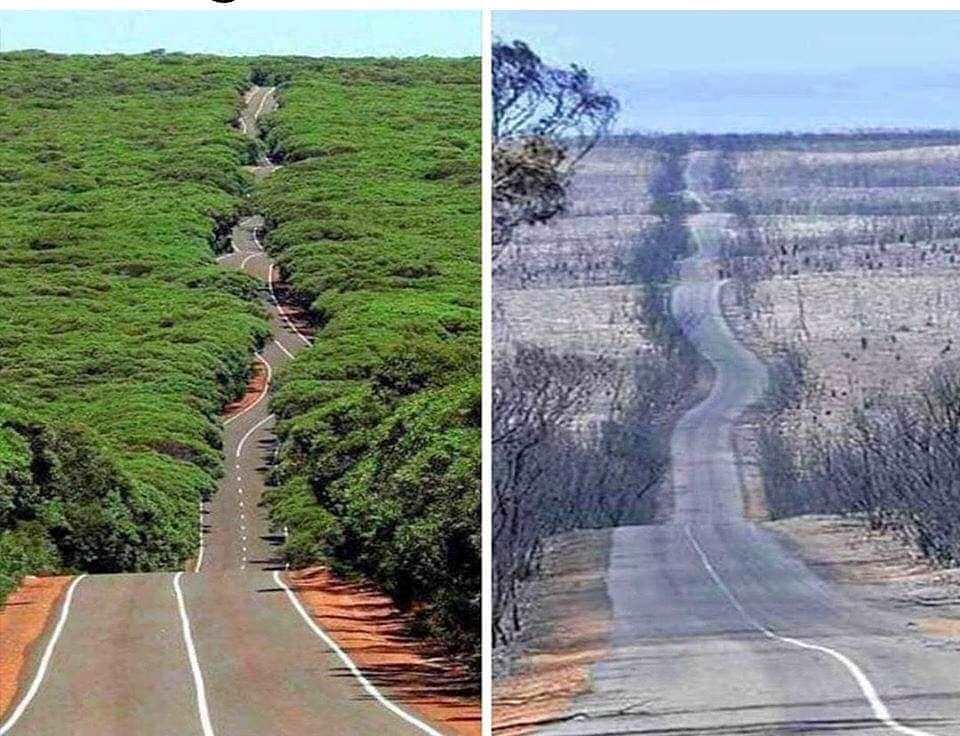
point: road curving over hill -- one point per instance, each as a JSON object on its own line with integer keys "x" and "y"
{"x": 225, "y": 648}
{"x": 718, "y": 627}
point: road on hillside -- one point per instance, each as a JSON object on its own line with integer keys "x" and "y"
{"x": 221, "y": 649}
{"x": 718, "y": 628}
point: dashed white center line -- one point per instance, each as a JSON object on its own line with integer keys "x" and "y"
{"x": 264, "y": 98}
{"x": 280, "y": 309}
{"x": 196, "y": 567}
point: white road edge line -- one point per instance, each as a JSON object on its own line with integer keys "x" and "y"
{"x": 263, "y": 101}
{"x": 273, "y": 295}
{"x": 194, "y": 662}
{"x": 243, "y": 263}
{"x": 233, "y": 251}
{"x": 44, "y": 661}
{"x": 367, "y": 685}
{"x": 280, "y": 309}
{"x": 880, "y": 711}
{"x": 266, "y": 390}
{"x": 252, "y": 429}
{"x": 280, "y": 345}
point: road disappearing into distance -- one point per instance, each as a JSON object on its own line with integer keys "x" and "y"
{"x": 718, "y": 627}
{"x": 225, "y": 648}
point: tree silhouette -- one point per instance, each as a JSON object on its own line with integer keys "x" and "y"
{"x": 545, "y": 120}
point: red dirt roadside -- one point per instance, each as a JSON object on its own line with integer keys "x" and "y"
{"x": 567, "y": 631}
{"x": 23, "y": 617}
{"x": 370, "y": 628}
{"x": 255, "y": 388}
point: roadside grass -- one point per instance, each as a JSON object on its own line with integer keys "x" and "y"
{"x": 120, "y": 338}
{"x": 375, "y": 223}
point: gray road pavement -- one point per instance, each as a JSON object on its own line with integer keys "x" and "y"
{"x": 718, "y": 628}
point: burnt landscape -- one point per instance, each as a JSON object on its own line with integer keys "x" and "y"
{"x": 834, "y": 258}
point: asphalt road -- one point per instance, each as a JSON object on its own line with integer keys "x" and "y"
{"x": 718, "y": 628}
{"x": 219, "y": 649}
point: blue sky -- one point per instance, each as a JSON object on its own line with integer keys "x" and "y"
{"x": 331, "y": 33}
{"x": 764, "y": 71}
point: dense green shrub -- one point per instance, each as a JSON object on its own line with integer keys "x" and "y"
{"x": 120, "y": 338}
{"x": 375, "y": 221}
